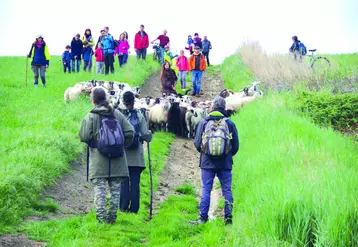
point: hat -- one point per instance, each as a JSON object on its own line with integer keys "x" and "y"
{"x": 197, "y": 47}
{"x": 78, "y": 35}
{"x": 39, "y": 36}
{"x": 219, "y": 103}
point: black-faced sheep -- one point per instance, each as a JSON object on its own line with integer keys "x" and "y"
{"x": 174, "y": 118}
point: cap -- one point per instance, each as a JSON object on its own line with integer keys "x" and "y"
{"x": 39, "y": 36}
{"x": 219, "y": 103}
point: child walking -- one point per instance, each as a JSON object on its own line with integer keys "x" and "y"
{"x": 122, "y": 50}
{"x": 99, "y": 59}
{"x": 182, "y": 64}
{"x": 87, "y": 55}
{"x": 66, "y": 59}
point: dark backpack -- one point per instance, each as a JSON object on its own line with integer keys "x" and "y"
{"x": 110, "y": 142}
{"x": 132, "y": 116}
{"x": 115, "y": 44}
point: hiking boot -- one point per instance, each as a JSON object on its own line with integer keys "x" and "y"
{"x": 36, "y": 85}
{"x": 228, "y": 221}
{"x": 198, "y": 222}
{"x": 193, "y": 94}
{"x": 198, "y": 95}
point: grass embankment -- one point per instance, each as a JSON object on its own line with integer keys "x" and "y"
{"x": 39, "y": 132}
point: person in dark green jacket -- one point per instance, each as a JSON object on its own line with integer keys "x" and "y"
{"x": 130, "y": 189}
{"x": 99, "y": 169}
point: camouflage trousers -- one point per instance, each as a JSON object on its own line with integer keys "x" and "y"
{"x": 100, "y": 198}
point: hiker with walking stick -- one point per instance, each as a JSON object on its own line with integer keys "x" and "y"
{"x": 39, "y": 58}
{"x": 108, "y": 133}
{"x": 130, "y": 189}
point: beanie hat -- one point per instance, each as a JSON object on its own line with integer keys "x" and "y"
{"x": 219, "y": 103}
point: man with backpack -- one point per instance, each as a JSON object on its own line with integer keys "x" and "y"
{"x": 130, "y": 189}
{"x": 109, "y": 45}
{"x": 298, "y": 49}
{"x": 217, "y": 141}
{"x": 107, "y": 133}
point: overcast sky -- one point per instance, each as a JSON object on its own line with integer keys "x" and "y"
{"x": 327, "y": 25}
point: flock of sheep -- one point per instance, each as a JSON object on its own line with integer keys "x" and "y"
{"x": 178, "y": 114}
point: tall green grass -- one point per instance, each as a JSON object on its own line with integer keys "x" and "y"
{"x": 39, "y": 131}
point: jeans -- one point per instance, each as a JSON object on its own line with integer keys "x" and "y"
{"x": 90, "y": 64}
{"x": 99, "y": 67}
{"x": 196, "y": 79}
{"x": 141, "y": 53}
{"x": 225, "y": 178}
{"x": 66, "y": 67}
{"x": 122, "y": 59}
{"x": 206, "y": 55}
{"x": 162, "y": 50}
{"x": 182, "y": 76}
{"x": 36, "y": 69}
{"x": 108, "y": 62}
{"x": 130, "y": 191}
{"x": 78, "y": 63}
{"x": 85, "y": 65}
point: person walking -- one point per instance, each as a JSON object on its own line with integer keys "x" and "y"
{"x": 77, "y": 50}
{"x": 216, "y": 157}
{"x": 197, "y": 41}
{"x": 206, "y": 49}
{"x": 190, "y": 43}
{"x": 101, "y": 169}
{"x": 87, "y": 56}
{"x": 99, "y": 59}
{"x": 141, "y": 43}
{"x": 163, "y": 42}
{"x": 183, "y": 66}
{"x": 130, "y": 189}
{"x": 122, "y": 50}
{"x": 40, "y": 59}
{"x": 108, "y": 45}
{"x": 90, "y": 40}
{"x": 197, "y": 65}
{"x": 66, "y": 59}
{"x": 100, "y": 38}
{"x": 168, "y": 78}
{"x": 296, "y": 49}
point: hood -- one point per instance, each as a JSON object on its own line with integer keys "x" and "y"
{"x": 218, "y": 113}
{"x": 143, "y": 32}
{"x": 102, "y": 110}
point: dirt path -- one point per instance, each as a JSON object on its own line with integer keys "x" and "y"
{"x": 19, "y": 241}
{"x": 183, "y": 160}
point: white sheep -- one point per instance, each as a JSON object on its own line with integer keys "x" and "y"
{"x": 158, "y": 114}
{"x": 192, "y": 119}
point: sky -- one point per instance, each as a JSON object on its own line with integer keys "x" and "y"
{"x": 330, "y": 26}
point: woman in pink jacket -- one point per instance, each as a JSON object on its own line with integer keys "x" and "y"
{"x": 122, "y": 50}
{"x": 182, "y": 64}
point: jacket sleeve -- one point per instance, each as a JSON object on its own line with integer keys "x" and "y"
{"x": 146, "y": 133}
{"x": 63, "y": 57}
{"x": 190, "y": 63}
{"x": 203, "y": 63}
{"x": 86, "y": 130}
{"x": 126, "y": 45}
{"x": 91, "y": 43}
{"x": 47, "y": 55}
{"x": 291, "y": 48}
{"x": 127, "y": 128}
{"x": 235, "y": 139}
{"x": 198, "y": 136}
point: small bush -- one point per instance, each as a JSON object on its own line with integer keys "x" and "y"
{"x": 337, "y": 111}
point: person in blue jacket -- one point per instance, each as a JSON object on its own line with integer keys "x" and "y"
{"x": 77, "y": 50}
{"x": 40, "y": 59}
{"x": 87, "y": 56}
{"x": 216, "y": 166}
{"x": 108, "y": 45}
{"x": 66, "y": 59}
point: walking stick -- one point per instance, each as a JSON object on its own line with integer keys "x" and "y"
{"x": 151, "y": 183}
{"x": 87, "y": 161}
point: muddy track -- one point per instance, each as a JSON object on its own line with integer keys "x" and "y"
{"x": 183, "y": 160}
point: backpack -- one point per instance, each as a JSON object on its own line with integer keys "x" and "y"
{"x": 115, "y": 44}
{"x": 216, "y": 139}
{"x": 133, "y": 119}
{"x": 303, "y": 49}
{"x": 110, "y": 142}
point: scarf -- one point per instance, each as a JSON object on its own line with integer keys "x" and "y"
{"x": 39, "y": 44}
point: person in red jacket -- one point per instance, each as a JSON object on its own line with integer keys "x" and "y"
{"x": 99, "y": 59}
{"x": 141, "y": 43}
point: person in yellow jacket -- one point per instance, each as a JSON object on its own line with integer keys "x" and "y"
{"x": 171, "y": 59}
{"x": 88, "y": 37}
{"x": 40, "y": 59}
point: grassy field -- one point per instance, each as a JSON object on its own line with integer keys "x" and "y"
{"x": 39, "y": 132}
{"x": 294, "y": 185}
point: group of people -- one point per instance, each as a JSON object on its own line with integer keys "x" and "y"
{"x": 105, "y": 50}
{"x": 121, "y": 133}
